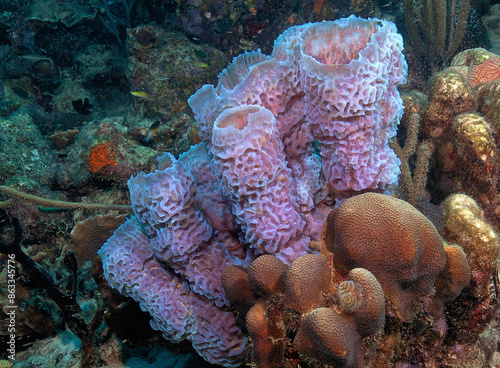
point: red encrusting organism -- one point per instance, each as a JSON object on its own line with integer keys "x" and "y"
{"x": 101, "y": 156}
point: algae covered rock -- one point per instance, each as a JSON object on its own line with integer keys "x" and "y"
{"x": 24, "y": 151}
{"x": 104, "y": 151}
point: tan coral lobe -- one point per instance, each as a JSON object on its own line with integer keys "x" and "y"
{"x": 267, "y": 339}
{"x": 449, "y": 94}
{"x": 306, "y": 280}
{"x": 463, "y": 224}
{"x": 452, "y": 280}
{"x": 265, "y": 275}
{"x": 330, "y": 338}
{"x": 477, "y": 158}
{"x": 370, "y": 309}
{"x": 237, "y": 288}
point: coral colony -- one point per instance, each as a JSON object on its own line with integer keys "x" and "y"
{"x": 276, "y": 240}
{"x": 256, "y": 184}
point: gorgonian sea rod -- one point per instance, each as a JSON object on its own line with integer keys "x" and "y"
{"x": 284, "y": 137}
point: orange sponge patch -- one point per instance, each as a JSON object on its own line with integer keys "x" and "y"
{"x": 101, "y": 156}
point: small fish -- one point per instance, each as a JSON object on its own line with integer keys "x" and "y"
{"x": 20, "y": 92}
{"x": 142, "y": 94}
{"x": 196, "y": 40}
{"x": 152, "y": 130}
{"x": 201, "y": 64}
{"x": 200, "y": 54}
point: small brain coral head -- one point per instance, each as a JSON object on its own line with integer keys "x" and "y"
{"x": 391, "y": 239}
{"x": 267, "y": 339}
{"x": 451, "y": 281}
{"x": 266, "y": 275}
{"x": 330, "y": 338}
{"x": 307, "y": 278}
{"x": 237, "y": 289}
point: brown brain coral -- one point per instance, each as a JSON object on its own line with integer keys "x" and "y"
{"x": 369, "y": 312}
{"x": 454, "y": 278}
{"x": 390, "y": 238}
{"x": 333, "y": 336}
{"x": 234, "y": 280}
{"x": 329, "y": 337}
{"x": 267, "y": 337}
{"x": 334, "y": 313}
{"x": 307, "y": 278}
{"x": 265, "y": 275}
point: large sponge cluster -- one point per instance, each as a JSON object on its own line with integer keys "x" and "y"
{"x": 333, "y": 82}
{"x": 131, "y": 267}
